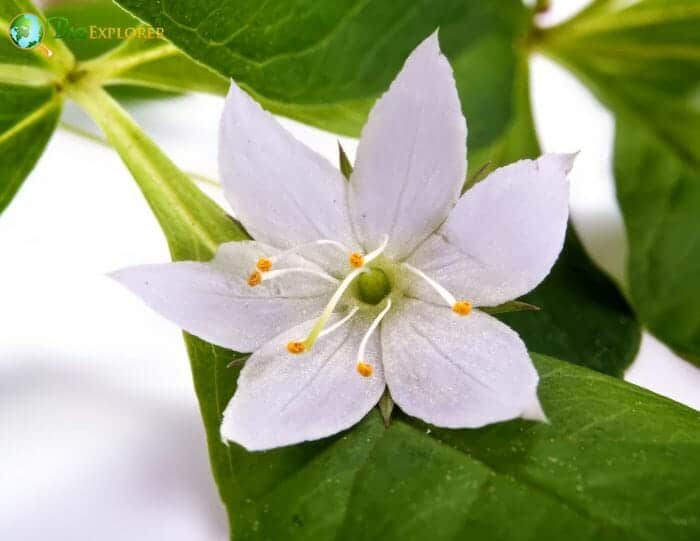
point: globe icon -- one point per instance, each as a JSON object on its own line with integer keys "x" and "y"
{"x": 26, "y": 31}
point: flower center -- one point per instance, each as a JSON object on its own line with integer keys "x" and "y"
{"x": 373, "y": 286}
{"x": 368, "y": 284}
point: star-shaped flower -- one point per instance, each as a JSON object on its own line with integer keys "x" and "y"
{"x": 353, "y": 286}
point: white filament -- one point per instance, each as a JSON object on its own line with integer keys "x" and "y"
{"x": 446, "y": 295}
{"x": 373, "y": 327}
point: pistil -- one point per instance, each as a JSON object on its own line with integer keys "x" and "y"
{"x": 338, "y": 294}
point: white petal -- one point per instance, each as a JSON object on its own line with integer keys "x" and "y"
{"x": 214, "y": 301}
{"x": 411, "y": 161}
{"x": 283, "y": 399}
{"x": 284, "y": 193}
{"x": 456, "y": 372}
{"x": 504, "y": 234}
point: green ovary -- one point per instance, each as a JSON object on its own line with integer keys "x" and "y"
{"x": 373, "y": 286}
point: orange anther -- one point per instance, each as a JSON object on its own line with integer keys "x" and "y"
{"x": 364, "y": 369}
{"x": 254, "y": 279}
{"x": 462, "y": 308}
{"x": 357, "y": 260}
{"x": 264, "y": 264}
{"x": 296, "y": 347}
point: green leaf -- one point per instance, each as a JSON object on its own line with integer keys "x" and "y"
{"x": 616, "y": 462}
{"x": 29, "y": 103}
{"x": 643, "y": 62}
{"x": 608, "y": 466}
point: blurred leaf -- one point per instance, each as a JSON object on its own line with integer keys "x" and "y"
{"x": 154, "y": 64}
{"x": 29, "y": 103}
{"x": 28, "y": 117}
{"x": 643, "y": 61}
{"x": 83, "y": 14}
{"x": 325, "y": 63}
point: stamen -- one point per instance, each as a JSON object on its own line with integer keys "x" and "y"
{"x": 254, "y": 279}
{"x": 296, "y": 348}
{"x": 328, "y": 310}
{"x": 264, "y": 264}
{"x": 461, "y": 308}
{"x": 356, "y": 260}
{"x": 299, "y": 347}
{"x": 302, "y": 270}
{"x": 363, "y": 367}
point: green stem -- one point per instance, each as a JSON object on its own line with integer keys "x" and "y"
{"x": 80, "y": 132}
{"x": 16, "y": 74}
{"x": 193, "y": 223}
{"x": 111, "y": 64}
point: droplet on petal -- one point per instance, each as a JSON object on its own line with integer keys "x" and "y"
{"x": 462, "y": 308}
{"x": 364, "y": 369}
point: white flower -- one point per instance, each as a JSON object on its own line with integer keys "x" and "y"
{"x": 354, "y": 286}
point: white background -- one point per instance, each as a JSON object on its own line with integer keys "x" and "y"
{"x": 100, "y": 436}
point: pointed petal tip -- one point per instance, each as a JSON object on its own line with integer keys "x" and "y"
{"x": 121, "y": 276}
{"x": 429, "y": 46}
{"x": 256, "y": 441}
{"x": 534, "y": 412}
{"x": 562, "y": 161}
